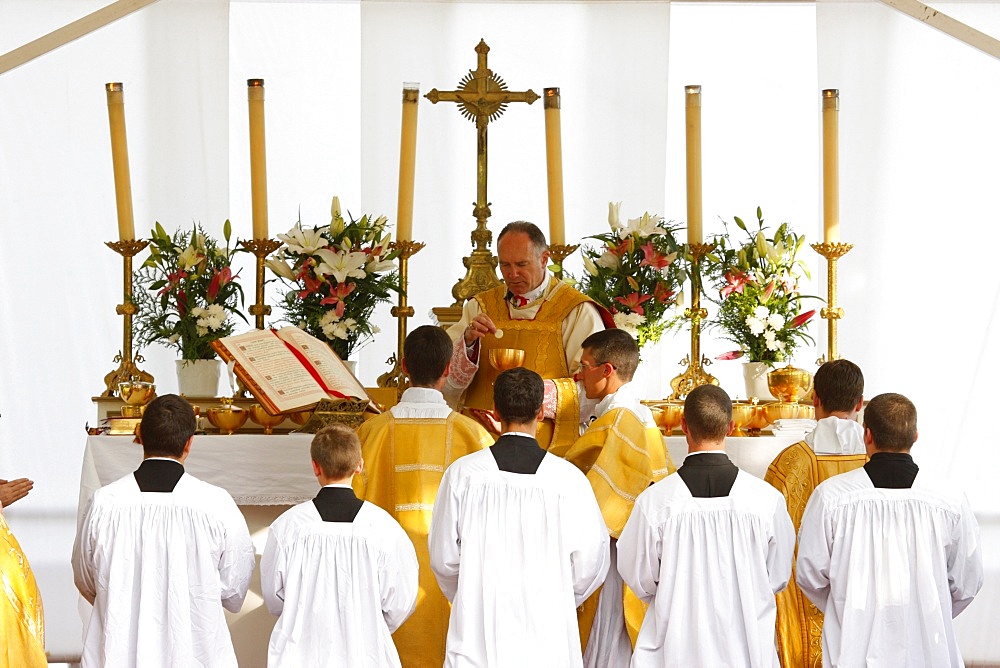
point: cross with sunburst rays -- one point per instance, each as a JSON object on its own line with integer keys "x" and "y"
{"x": 482, "y": 97}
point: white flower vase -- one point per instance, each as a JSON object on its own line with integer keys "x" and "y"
{"x": 352, "y": 366}
{"x": 198, "y": 378}
{"x": 755, "y": 378}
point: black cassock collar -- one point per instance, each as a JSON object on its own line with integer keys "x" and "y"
{"x": 337, "y": 504}
{"x": 708, "y": 475}
{"x": 517, "y": 454}
{"x": 158, "y": 475}
{"x": 892, "y": 470}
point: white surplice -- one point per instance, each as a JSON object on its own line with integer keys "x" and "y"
{"x": 340, "y": 588}
{"x": 709, "y": 568}
{"x": 889, "y": 568}
{"x": 609, "y": 645}
{"x": 158, "y": 568}
{"x": 516, "y": 554}
{"x": 836, "y": 436}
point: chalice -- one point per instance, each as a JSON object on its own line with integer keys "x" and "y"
{"x": 503, "y": 359}
{"x": 744, "y": 414}
{"x": 788, "y": 384}
{"x": 227, "y": 418}
{"x": 667, "y": 414}
{"x": 259, "y": 415}
{"x": 136, "y": 394}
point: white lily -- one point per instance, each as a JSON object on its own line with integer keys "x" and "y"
{"x": 644, "y": 226}
{"x": 609, "y": 260}
{"x": 188, "y": 258}
{"x": 280, "y": 268}
{"x": 589, "y": 265}
{"x": 614, "y": 213}
{"x": 377, "y": 265}
{"x": 303, "y": 242}
{"x": 335, "y": 208}
{"x": 341, "y": 265}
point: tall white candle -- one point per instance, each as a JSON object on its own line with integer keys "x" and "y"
{"x": 831, "y": 166}
{"x": 407, "y": 162}
{"x": 119, "y": 161}
{"x": 692, "y": 107}
{"x": 553, "y": 163}
{"x": 258, "y": 158}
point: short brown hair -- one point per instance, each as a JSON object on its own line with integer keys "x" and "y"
{"x": 892, "y": 420}
{"x": 615, "y": 347}
{"x": 167, "y": 424}
{"x": 337, "y": 451}
{"x": 536, "y": 236}
{"x": 427, "y": 352}
{"x": 839, "y": 385}
{"x": 518, "y": 395}
{"x": 708, "y": 411}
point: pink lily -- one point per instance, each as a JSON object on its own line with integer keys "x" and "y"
{"x": 337, "y": 297}
{"x": 661, "y": 294}
{"x": 768, "y": 291}
{"x": 181, "y": 303}
{"x": 173, "y": 280}
{"x": 219, "y": 280}
{"x": 735, "y": 280}
{"x": 654, "y": 258}
{"x": 633, "y": 302}
{"x": 802, "y": 318}
{"x": 731, "y": 355}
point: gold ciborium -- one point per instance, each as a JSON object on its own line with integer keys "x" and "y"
{"x": 744, "y": 415}
{"x": 807, "y": 412}
{"x": 260, "y": 416}
{"x": 667, "y": 414}
{"x": 781, "y": 410}
{"x": 789, "y": 384}
{"x": 136, "y": 394}
{"x": 503, "y": 359}
{"x": 227, "y": 418}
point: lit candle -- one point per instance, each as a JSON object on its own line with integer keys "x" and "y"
{"x": 407, "y": 162}
{"x": 258, "y": 161}
{"x": 831, "y": 167}
{"x": 119, "y": 160}
{"x": 692, "y": 105}
{"x": 553, "y": 162}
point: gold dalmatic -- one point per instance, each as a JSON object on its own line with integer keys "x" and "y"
{"x": 22, "y": 624}
{"x": 795, "y": 473}
{"x": 541, "y": 340}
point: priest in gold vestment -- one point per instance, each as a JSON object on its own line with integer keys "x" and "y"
{"x": 622, "y": 453}
{"x": 835, "y": 446}
{"x": 22, "y": 625}
{"x": 531, "y": 311}
{"x": 405, "y": 451}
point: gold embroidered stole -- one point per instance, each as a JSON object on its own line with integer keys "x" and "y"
{"x": 404, "y": 462}
{"x": 795, "y": 473}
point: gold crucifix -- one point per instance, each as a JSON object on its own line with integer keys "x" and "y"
{"x": 482, "y": 97}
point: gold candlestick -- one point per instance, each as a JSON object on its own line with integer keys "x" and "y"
{"x": 395, "y": 377}
{"x": 261, "y": 248}
{"x": 695, "y": 374}
{"x": 559, "y": 253}
{"x": 831, "y": 312}
{"x": 127, "y": 369}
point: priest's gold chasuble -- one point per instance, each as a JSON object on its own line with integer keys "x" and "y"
{"x": 404, "y": 460}
{"x": 795, "y": 473}
{"x": 22, "y": 624}
{"x": 544, "y": 353}
{"x": 621, "y": 457}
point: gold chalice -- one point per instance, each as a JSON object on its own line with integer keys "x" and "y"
{"x": 227, "y": 418}
{"x": 789, "y": 384}
{"x": 260, "y": 416}
{"x": 807, "y": 411}
{"x": 781, "y": 410}
{"x": 667, "y": 414}
{"x": 136, "y": 394}
{"x": 503, "y": 359}
{"x": 299, "y": 417}
{"x": 744, "y": 414}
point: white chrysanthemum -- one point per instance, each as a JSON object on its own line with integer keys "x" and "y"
{"x": 756, "y": 325}
{"x": 628, "y": 322}
{"x": 776, "y": 321}
{"x": 772, "y": 343}
{"x": 609, "y": 260}
{"x": 761, "y": 312}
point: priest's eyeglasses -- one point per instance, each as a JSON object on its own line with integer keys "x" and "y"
{"x": 583, "y": 366}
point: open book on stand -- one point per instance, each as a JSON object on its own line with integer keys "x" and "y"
{"x": 289, "y": 370}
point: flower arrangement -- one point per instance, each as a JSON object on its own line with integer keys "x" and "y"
{"x": 186, "y": 292}
{"x": 335, "y": 276}
{"x": 633, "y": 273}
{"x": 760, "y": 308}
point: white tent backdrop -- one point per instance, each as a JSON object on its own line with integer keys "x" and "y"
{"x": 918, "y": 184}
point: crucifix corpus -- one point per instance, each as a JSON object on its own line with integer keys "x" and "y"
{"x": 482, "y": 97}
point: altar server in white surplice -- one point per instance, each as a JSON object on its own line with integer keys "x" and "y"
{"x": 340, "y": 572}
{"x": 159, "y": 554}
{"x": 707, "y": 547}
{"x": 889, "y": 553}
{"x": 517, "y": 541}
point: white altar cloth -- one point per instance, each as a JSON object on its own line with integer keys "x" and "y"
{"x": 752, "y": 454}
